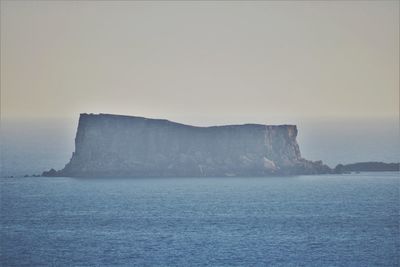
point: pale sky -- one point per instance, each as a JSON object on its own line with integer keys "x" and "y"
{"x": 200, "y": 61}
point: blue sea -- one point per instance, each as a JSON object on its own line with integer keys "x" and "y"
{"x": 321, "y": 220}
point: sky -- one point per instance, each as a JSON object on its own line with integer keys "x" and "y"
{"x": 330, "y": 67}
{"x": 200, "y": 62}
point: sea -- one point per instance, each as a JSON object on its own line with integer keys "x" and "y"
{"x": 319, "y": 220}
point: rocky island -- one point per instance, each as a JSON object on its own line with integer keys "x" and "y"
{"x": 126, "y": 146}
{"x": 371, "y": 166}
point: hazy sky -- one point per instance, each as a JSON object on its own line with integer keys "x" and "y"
{"x": 200, "y": 61}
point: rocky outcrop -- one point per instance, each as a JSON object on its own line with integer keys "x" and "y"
{"x": 125, "y": 146}
{"x": 371, "y": 166}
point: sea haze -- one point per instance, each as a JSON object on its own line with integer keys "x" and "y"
{"x": 321, "y": 220}
{"x": 35, "y": 145}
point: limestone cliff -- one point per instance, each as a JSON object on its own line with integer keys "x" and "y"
{"x": 125, "y": 146}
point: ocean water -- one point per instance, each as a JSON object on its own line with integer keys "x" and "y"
{"x": 329, "y": 220}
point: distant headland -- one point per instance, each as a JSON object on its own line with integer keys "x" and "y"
{"x": 371, "y": 166}
{"x": 126, "y": 146}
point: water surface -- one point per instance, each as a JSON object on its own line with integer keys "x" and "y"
{"x": 329, "y": 220}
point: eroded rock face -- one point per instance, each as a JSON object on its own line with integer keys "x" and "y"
{"x": 124, "y": 146}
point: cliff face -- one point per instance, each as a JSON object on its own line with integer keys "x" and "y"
{"x": 113, "y": 145}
